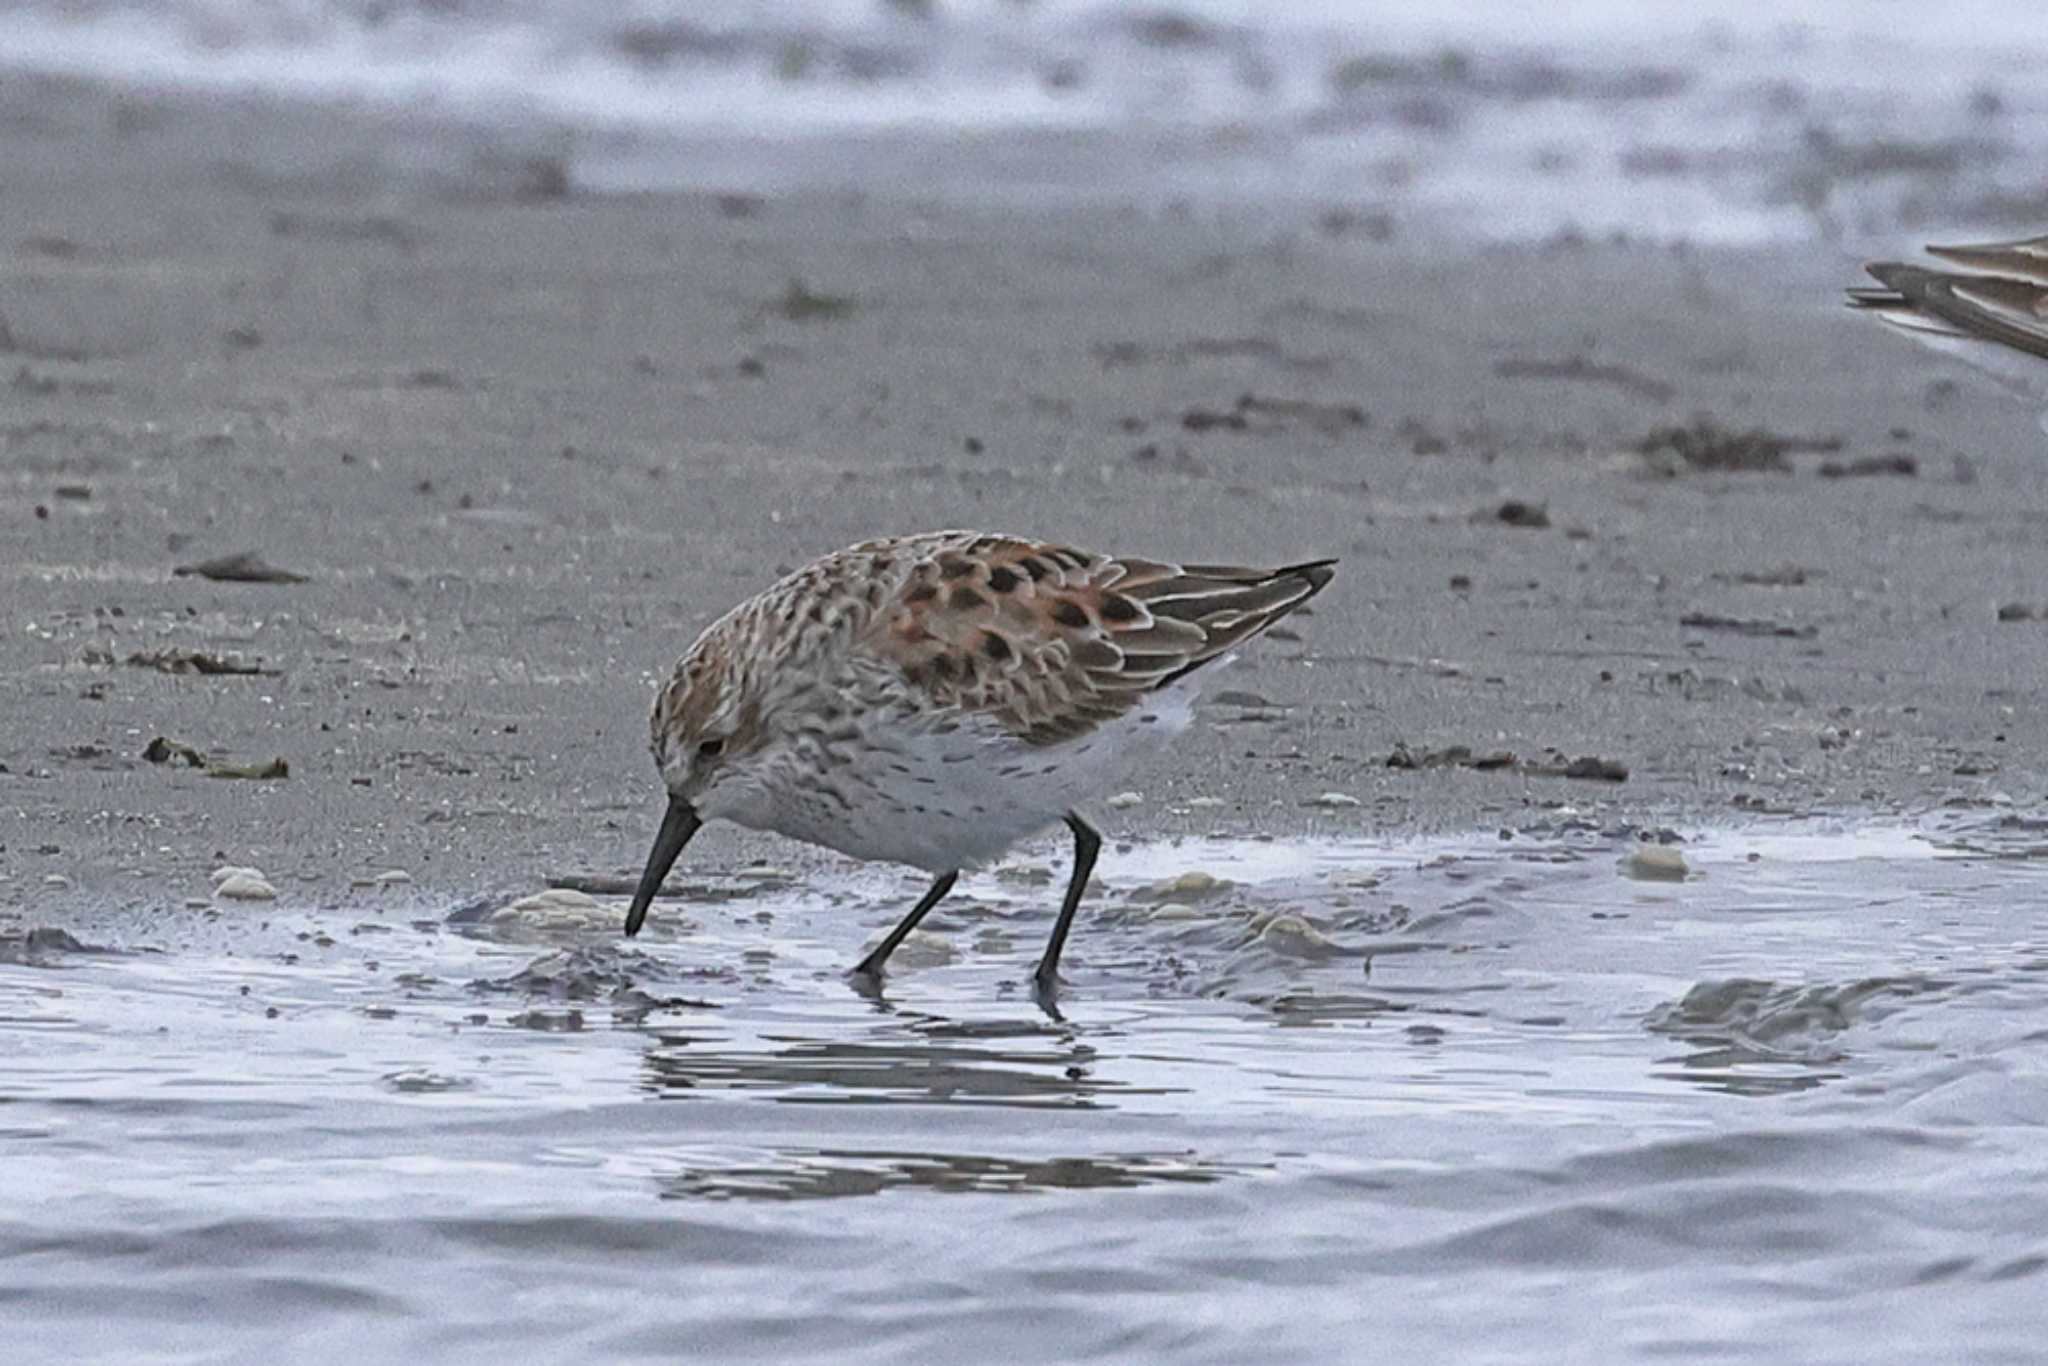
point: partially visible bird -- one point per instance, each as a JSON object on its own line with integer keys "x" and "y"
{"x": 1992, "y": 313}
{"x": 933, "y": 699}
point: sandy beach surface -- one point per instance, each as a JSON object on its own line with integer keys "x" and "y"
{"x": 522, "y": 445}
{"x": 1606, "y": 922}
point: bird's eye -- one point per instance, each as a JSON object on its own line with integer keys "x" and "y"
{"x": 711, "y": 749}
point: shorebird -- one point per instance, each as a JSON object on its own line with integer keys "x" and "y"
{"x": 1992, "y": 313}
{"x": 933, "y": 699}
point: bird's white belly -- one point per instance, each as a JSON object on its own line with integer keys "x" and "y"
{"x": 941, "y": 800}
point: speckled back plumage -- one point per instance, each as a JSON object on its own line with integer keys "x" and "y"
{"x": 931, "y": 699}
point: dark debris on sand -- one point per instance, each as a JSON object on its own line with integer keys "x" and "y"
{"x": 244, "y": 566}
{"x": 1515, "y": 512}
{"x": 176, "y": 659}
{"x": 1553, "y": 764}
{"x": 1746, "y": 626}
{"x": 1705, "y": 444}
{"x": 799, "y": 303}
{"x": 1901, "y": 465}
{"x": 164, "y": 750}
{"x": 1258, "y": 414}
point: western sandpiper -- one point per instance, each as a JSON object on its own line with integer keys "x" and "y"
{"x": 1991, "y": 313}
{"x": 933, "y": 699}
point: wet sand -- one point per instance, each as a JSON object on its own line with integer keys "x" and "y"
{"x": 523, "y": 442}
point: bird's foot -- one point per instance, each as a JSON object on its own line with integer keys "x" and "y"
{"x": 1045, "y": 990}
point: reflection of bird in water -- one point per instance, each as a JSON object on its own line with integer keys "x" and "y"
{"x": 1992, "y": 312}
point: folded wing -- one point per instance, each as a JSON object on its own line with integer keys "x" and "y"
{"x": 1052, "y": 641}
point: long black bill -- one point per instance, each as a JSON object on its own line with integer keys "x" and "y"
{"x": 676, "y": 828}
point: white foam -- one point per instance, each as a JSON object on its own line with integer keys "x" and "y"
{"x": 1241, "y": 92}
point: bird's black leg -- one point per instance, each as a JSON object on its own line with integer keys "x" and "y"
{"x": 871, "y": 966}
{"x": 1087, "y": 844}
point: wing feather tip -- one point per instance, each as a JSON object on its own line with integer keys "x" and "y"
{"x": 1317, "y": 572}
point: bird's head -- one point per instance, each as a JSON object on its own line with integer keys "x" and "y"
{"x": 704, "y": 728}
{"x": 706, "y": 733}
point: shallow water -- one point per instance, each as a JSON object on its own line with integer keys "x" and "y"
{"x": 1718, "y": 120}
{"x": 1478, "y": 1100}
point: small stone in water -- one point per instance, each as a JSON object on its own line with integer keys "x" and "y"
{"x": 557, "y": 908}
{"x": 423, "y": 1081}
{"x": 1294, "y": 936}
{"x": 923, "y": 949}
{"x": 1028, "y": 874}
{"x": 1655, "y": 863}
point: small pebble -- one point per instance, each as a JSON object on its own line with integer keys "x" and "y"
{"x": 56, "y": 880}
{"x": 1204, "y": 803}
{"x": 1291, "y": 935}
{"x": 244, "y": 884}
{"x": 1124, "y": 800}
{"x": 1334, "y": 800}
{"x": 1188, "y": 886}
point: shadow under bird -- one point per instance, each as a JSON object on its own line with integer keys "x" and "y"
{"x": 933, "y": 699}
{"x": 1991, "y": 312}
